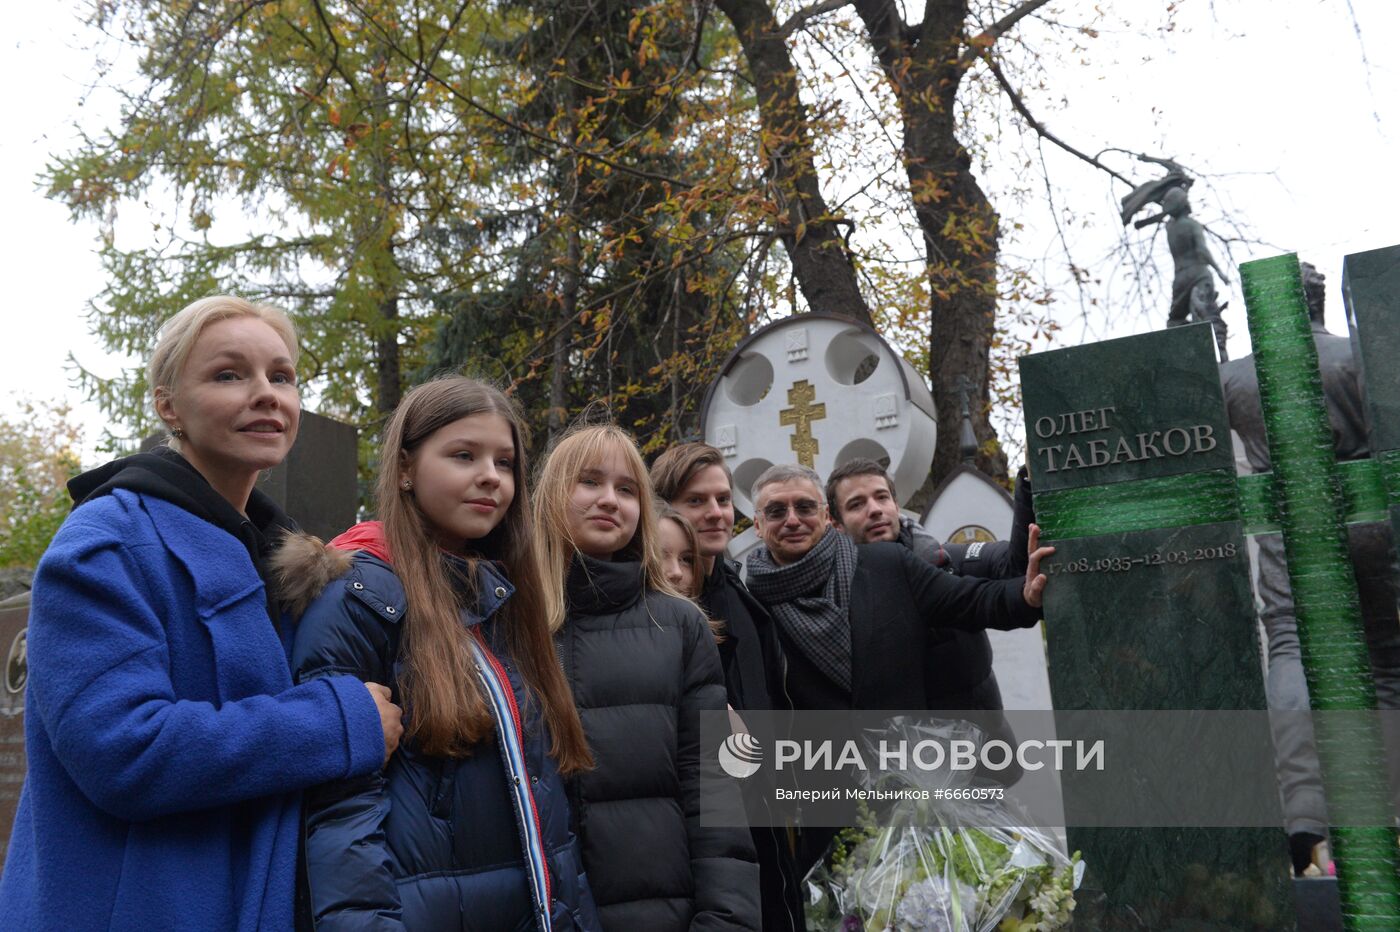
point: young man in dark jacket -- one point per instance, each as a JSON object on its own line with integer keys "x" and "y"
{"x": 862, "y": 502}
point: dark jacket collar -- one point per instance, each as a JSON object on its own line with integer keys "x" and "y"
{"x": 598, "y": 587}
{"x": 715, "y": 581}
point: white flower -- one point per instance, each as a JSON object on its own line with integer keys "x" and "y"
{"x": 925, "y": 908}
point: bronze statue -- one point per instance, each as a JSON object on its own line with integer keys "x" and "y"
{"x": 1193, "y": 287}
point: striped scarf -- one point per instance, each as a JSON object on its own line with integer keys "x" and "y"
{"x": 810, "y": 600}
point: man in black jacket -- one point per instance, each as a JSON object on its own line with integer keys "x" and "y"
{"x": 861, "y": 498}
{"x": 863, "y": 503}
{"x": 856, "y": 622}
{"x": 860, "y": 624}
{"x": 692, "y": 477}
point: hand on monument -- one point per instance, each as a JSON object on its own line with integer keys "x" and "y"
{"x": 1034, "y": 591}
{"x": 390, "y": 717}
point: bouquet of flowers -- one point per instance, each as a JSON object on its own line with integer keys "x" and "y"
{"x": 918, "y": 870}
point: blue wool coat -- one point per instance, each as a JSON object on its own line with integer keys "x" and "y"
{"x": 166, "y": 743}
{"x": 434, "y": 843}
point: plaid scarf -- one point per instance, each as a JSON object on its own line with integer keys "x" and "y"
{"x": 810, "y": 599}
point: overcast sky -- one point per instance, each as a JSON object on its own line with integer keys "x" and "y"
{"x": 1270, "y": 94}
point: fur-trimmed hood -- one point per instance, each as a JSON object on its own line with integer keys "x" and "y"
{"x": 303, "y": 567}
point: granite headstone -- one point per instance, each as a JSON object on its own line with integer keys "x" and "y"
{"x": 14, "y": 618}
{"x": 1371, "y": 292}
{"x": 1148, "y": 605}
{"x": 316, "y": 484}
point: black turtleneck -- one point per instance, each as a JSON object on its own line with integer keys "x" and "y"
{"x": 749, "y": 652}
{"x": 597, "y": 587}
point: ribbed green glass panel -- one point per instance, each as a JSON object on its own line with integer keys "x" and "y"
{"x": 1258, "y": 512}
{"x": 1363, "y": 491}
{"x": 1311, "y": 507}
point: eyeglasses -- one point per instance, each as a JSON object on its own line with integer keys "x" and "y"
{"x": 777, "y": 511}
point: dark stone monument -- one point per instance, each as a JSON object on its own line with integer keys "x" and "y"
{"x": 1371, "y": 292}
{"x": 1125, "y": 439}
{"x": 15, "y": 581}
{"x": 1319, "y": 907}
{"x": 1149, "y": 604}
{"x": 14, "y": 617}
{"x": 317, "y": 483}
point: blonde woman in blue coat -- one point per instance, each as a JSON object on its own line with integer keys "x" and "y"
{"x": 167, "y": 746}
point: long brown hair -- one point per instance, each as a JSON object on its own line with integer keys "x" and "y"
{"x": 448, "y": 711}
{"x": 580, "y": 448}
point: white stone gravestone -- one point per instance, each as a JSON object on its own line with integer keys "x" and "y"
{"x": 819, "y": 390}
{"x": 740, "y": 545}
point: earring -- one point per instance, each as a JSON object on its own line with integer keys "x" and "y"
{"x": 408, "y": 485}
{"x": 178, "y": 433}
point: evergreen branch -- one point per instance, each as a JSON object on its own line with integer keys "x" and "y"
{"x": 506, "y": 121}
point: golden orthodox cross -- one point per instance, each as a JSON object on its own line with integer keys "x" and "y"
{"x": 801, "y": 415}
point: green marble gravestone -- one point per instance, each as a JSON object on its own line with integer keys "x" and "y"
{"x": 1312, "y": 505}
{"x": 1149, "y": 605}
{"x": 1125, "y": 453}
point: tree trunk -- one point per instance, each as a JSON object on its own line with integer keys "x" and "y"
{"x": 812, "y": 234}
{"x": 957, "y": 220}
{"x": 386, "y": 269}
{"x": 389, "y": 385}
{"x": 568, "y": 307}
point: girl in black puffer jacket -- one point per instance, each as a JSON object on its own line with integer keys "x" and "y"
{"x": 467, "y": 827}
{"x": 642, "y": 664}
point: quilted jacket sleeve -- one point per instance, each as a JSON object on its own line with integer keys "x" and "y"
{"x": 348, "y": 865}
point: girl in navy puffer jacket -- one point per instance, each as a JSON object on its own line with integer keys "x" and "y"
{"x": 468, "y": 825}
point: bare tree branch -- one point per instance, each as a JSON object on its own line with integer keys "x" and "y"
{"x": 702, "y": 13}
{"x": 1040, "y": 128}
{"x": 799, "y": 19}
{"x": 335, "y": 52}
{"x": 988, "y": 37}
{"x": 1365, "y": 62}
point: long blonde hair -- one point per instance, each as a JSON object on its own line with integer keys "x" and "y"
{"x": 449, "y": 713}
{"x": 580, "y": 448}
